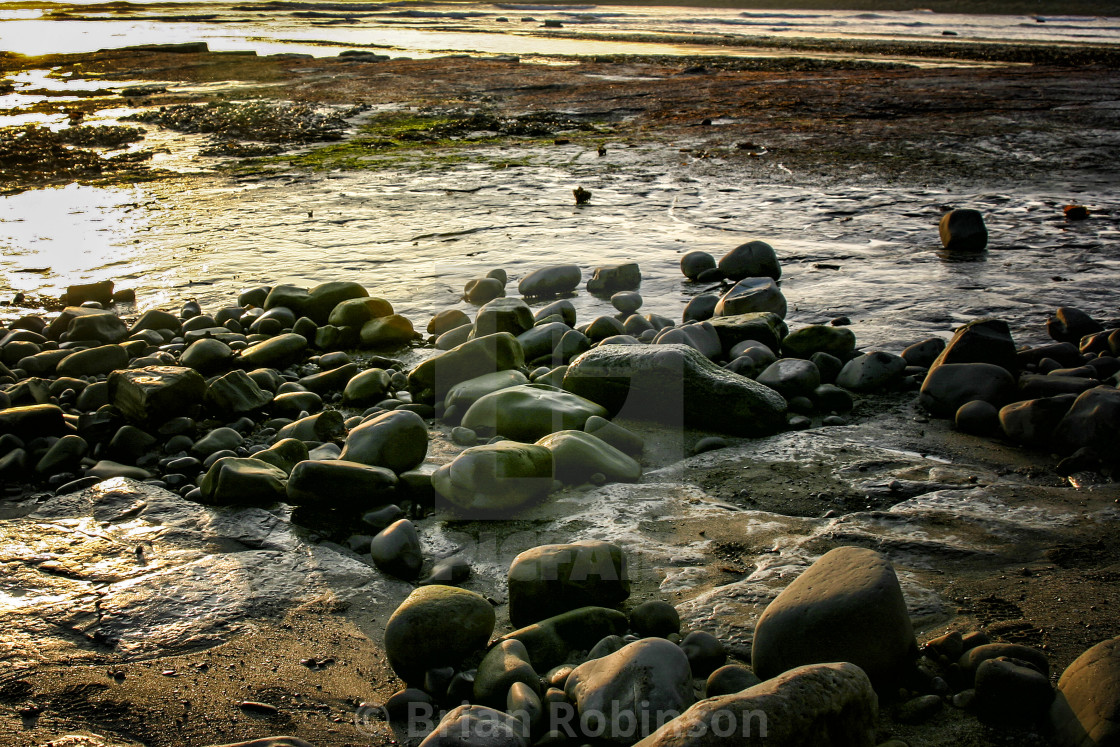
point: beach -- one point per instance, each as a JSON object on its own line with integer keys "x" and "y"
{"x": 136, "y": 616}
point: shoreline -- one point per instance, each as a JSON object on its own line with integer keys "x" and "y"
{"x": 819, "y": 119}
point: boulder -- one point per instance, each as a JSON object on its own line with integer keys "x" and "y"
{"x": 847, "y": 606}
{"x": 447, "y": 320}
{"x": 551, "y": 281}
{"x": 291, "y": 404}
{"x": 511, "y": 315}
{"x": 923, "y": 354}
{"x": 627, "y": 302}
{"x": 608, "y": 280}
{"x": 577, "y": 455}
{"x": 355, "y": 312}
{"x": 620, "y": 438}
{"x": 477, "y": 726}
{"x": 699, "y": 335}
{"x": 529, "y": 412}
{"x": 368, "y": 387}
{"x": 324, "y": 298}
{"x": 466, "y": 393}
{"x": 392, "y": 331}
{"x": 396, "y": 550}
{"x": 96, "y": 361}
{"x": 700, "y": 308}
{"x": 495, "y": 478}
{"x": 950, "y": 385}
{"x": 154, "y": 394}
{"x": 551, "y": 641}
{"x": 872, "y": 372}
{"x": 1092, "y": 422}
{"x": 289, "y": 296}
{"x": 963, "y": 230}
{"x": 323, "y": 426}
{"x": 819, "y": 338}
{"x": 337, "y": 483}
{"x": 705, "y": 652}
{"x": 504, "y": 664}
{"x": 550, "y": 579}
{"x": 100, "y": 292}
{"x": 481, "y": 290}
{"x": 103, "y": 326}
{"x": 675, "y": 385}
{"x": 106, "y": 469}
{"x": 32, "y": 421}
{"x": 285, "y": 454}
{"x": 64, "y": 455}
{"x": 754, "y": 259}
{"x": 728, "y": 679}
{"x": 1010, "y": 692}
{"x": 791, "y": 377}
{"x": 563, "y": 308}
{"x": 1068, "y": 324}
{"x": 1032, "y": 422}
{"x": 696, "y": 262}
{"x": 219, "y": 439}
{"x": 436, "y": 626}
{"x": 233, "y": 481}
{"x": 761, "y": 326}
{"x": 627, "y": 695}
{"x": 433, "y": 378}
{"x": 981, "y": 341}
{"x": 397, "y": 440}
{"x": 1086, "y": 711}
{"x": 206, "y": 355}
{"x": 540, "y": 339}
{"x": 752, "y": 295}
{"x": 819, "y": 705}
{"x": 331, "y": 379}
{"x": 277, "y": 352}
{"x": 236, "y": 393}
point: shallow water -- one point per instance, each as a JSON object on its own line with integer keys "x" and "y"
{"x": 869, "y": 253}
{"x": 422, "y": 29}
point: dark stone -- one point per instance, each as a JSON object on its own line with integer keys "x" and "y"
{"x": 548, "y": 580}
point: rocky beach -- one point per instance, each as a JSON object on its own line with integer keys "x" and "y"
{"x": 656, "y": 399}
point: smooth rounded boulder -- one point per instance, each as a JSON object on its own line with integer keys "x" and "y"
{"x": 819, "y": 705}
{"x": 477, "y": 726}
{"x": 752, "y": 295}
{"x": 847, "y": 606}
{"x": 432, "y": 379}
{"x": 625, "y": 696}
{"x": 436, "y": 626}
{"x": 950, "y": 385}
{"x": 504, "y": 664}
{"x": 529, "y": 412}
{"x": 551, "y": 281}
{"x": 754, "y": 259}
{"x": 1093, "y": 421}
{"x": 277, "y": 352}
{"x": 577, "y": 455}
{"x": 338, "y": 483}
{"x": 355, "y": 312}
{"x": 871, "y": 372}
{"x": 368, "y": 387}
{"x": 397, "y": 440}
{"x": 237, "y": 481}
{"x": 396, "y": 550}
{"x": 495, "y": 478}
{"x": 102, "y": 359}
{"x": 675, "y": 385}
{"x": 694, "y": 263}
{"x": 555, "y": 639}
{"x": 1086, "y": 710}
{"x": 547, "y": 580}
{"x": 963, "y": 230}
{"x": 392, "y": 331}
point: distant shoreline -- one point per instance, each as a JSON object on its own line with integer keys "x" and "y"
{"x": 970, "y": 7}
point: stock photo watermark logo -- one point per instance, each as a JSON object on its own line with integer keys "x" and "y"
{"x": 412, "y": 722}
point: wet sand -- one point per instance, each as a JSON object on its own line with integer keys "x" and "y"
{"x": 1050, "y": 586}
